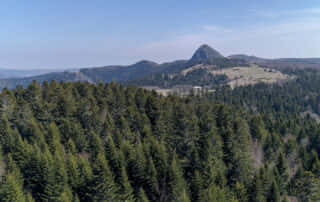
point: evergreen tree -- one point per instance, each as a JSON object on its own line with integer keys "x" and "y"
{"x": 196, "y": 186}
{"x": 29, "y": 198}
{"x": 54, "y": 139}
{"x": 5, "y": 133}
{"x": 56, "y": 179}
{"x": 274, "y": 194}
{"x": 176, "y": 181}
{"x": 152, "y": 185}
{"x": 126, "y": 190}
{"x": 103, "y": 186}
{"x": 283, "y": 176}
{"x": 142, "y": 197}
{"x": 73, "y": 171}
{"x": 257, "y": 192}
{"x": 315, "y": 163}
{"x": 11, "y": 189}
{"x": 85, "y": 180}
{"x": 241, "y": 192}
{"x": 214, "y": 193}
{"x": 71, "y": 147}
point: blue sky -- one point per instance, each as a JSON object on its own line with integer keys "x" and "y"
{"x": 79, "y": 33}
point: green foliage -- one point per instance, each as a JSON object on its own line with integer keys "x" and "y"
{"x": 11, "y": 189}
{"x": 85, "y": 142}
{"x": 274, "y": 194}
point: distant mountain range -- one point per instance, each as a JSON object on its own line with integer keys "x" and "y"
{"x": 15, "y": 73}
{"x": 204, "y": 55}
{"x": 281, "y": 63}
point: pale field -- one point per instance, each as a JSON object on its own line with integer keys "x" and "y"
{"x": 242, "y": 76}
{"x": 237, "y": 76}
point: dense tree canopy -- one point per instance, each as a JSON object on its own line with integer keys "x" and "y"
{"x": 84, "y": 142}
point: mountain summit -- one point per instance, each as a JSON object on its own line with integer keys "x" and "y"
{"x": 205, "y": 52}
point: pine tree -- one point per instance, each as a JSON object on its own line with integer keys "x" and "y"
{"x": 126, "y": 190}
{"x": 177, "y": 183}
{"x": 152, "y": 108}
{"x": 96, "y": 145}
{"x": 36, "y": 171}
{"x": 29, "y": 198}
{"x": 19, "y": 150}
{"x": 11, "y": 189}
{"x": 241, "y": 192}
{"x": 135, "y": 164}
{"x": 142, "y": 197}
{"x": 257, "y": 192}
{"x": 66, "y": 195}
{"x": 114, "y": 158}
{"x": 108, "y": 125}
{"x": 5, "y": 133}
{"x": 243, "y": 163}
{"x": 125, "y": 129}
{"x": 73, "y": 171}
{"x": 7, "y": 103}
{"x": 85, "y": 180}
{"x": 214, "y": 193}
{"x": 283, "y": 177}
{"x": 151, "y": 185}
{"x": 103, "y": 185}
{"x": 257, "y": 128}
{"x": 54, "y": 140}
{"x": 196, "y": 186}
{"x": 315, "y": 163}
{"x": 71, "y": 147}
{"x": 266, "y": 176}
{"x": 274, "y": 194}
{"x": 33, "y": 133}
{"x": 56, "y": 179}
{"x": 160, "y": 160}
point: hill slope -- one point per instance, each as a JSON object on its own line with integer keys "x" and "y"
{"x": 205, "y": 52}
{"x": 85, "y": 142}
{"x": 150, "y": 73}
{"x": 281, "y": 63}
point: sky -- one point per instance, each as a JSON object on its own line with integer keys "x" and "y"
{"x": 47, "y": 34}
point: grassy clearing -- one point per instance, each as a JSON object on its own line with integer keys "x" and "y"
{"x": 241, "y": 76}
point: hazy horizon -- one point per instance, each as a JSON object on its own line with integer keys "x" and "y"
{"x": 73, "y": 34}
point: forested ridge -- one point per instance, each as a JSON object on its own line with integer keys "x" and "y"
{"x": 105, "y": 142}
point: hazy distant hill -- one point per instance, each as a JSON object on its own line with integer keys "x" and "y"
{"x": 58, "y": 76}
{"x": 148, "y": 72}
{"x": 247, "y": 58}
{"x": 15, "y": 73}
{"x": 95, "y": 74}
{"x": 281, "y": 63}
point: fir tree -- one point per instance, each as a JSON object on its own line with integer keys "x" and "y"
{"x": 142, "y": 197}
{"x": 283, "y": 173}
{"x": 11, "y": 189}
{"x": 176, "y": 181}
{"x": 103, "y": 186}
{"x": 274, "y": 194}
